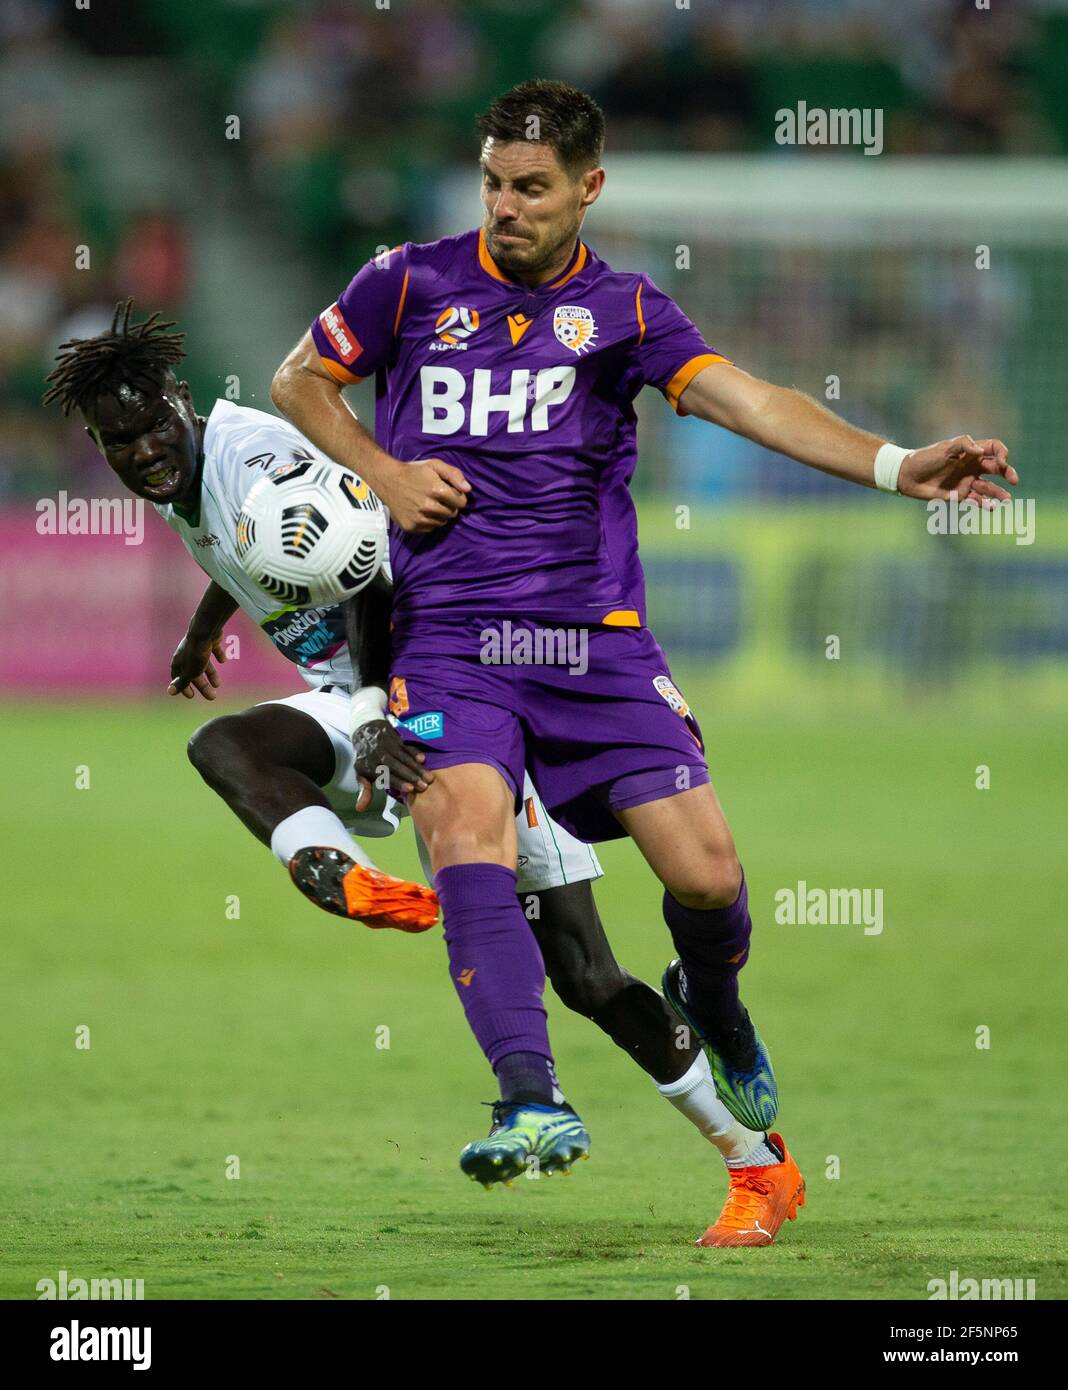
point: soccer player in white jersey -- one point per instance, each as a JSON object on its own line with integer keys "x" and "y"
{"x": 285, "y": 767}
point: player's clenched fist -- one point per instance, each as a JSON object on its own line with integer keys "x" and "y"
{"x": 424, "y": 495}
{"x": 955, "y": 467}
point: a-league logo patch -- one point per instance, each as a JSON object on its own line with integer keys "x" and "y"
{"x": 668, "y": 690}
{"x": 425, "y": 726}
{"x": 575, "y": 327}
{"x": 454, "y": 324}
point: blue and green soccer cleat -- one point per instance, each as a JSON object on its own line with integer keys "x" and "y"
{"x": 526, "y": 1138}
{"x": 741, "y": 1067}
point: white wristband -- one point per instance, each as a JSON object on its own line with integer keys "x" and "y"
{"x": 367, "y": 704}
{"x": 888, "y": 463}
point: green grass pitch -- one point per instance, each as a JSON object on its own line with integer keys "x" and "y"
{"x": 257, "y": 1036}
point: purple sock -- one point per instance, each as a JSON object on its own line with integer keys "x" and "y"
{"x": 497, "y": 969}
{"x": 713, "y": 945}
{"x": 527, "y": 1076}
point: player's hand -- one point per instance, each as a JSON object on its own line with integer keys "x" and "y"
{"x": 377, "y": 745}
{"x": 192, "y": 666}
{"x": 956, "y": 466}
{"x": 424, "y": 495}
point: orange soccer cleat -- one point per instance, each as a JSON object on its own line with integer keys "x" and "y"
{"x": 339, "y": 885}
{"x": 759, "y": 1201}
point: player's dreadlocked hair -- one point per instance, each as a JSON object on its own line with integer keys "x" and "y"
{"x": 137, "y": 353}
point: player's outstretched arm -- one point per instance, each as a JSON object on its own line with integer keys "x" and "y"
{"x": 794, "y": 424}
{"x": 420, "y": 496}
{"x": 192, "y": 667}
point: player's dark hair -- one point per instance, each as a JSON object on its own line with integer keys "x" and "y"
{"x": 140, "y": 354}
{"x": 566, "y": 119}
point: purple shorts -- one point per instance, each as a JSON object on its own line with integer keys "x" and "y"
{"x": 591, "y": 713}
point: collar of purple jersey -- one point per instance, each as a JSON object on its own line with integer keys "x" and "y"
{"x": 578, "y": 260}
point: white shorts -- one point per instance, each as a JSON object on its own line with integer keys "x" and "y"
{"x": 549, "y": 856}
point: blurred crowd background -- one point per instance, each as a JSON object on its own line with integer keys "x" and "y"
{"x": 118, "y": 138}
{"x": 350, "y": 113}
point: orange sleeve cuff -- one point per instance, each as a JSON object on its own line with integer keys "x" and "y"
{"x": 338, "y": 372}
{"x": 686, "y": 373}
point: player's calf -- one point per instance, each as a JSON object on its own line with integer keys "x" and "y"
{"x": 266, "y": 763}
{"x": 588, "y": 979}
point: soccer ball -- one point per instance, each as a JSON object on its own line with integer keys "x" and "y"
{"x": 311, "y": 533}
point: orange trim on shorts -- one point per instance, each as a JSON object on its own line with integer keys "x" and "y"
{"x": 638, "y": 311}
{"x": 621, "y": 617}
{"x": 532, "y": 815}
{"x": 686, "y": 373}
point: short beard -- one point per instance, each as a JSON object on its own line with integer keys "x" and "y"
{"x": 515, "y": 261}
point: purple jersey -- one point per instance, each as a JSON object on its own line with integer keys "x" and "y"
{"x": 530, "y": 393}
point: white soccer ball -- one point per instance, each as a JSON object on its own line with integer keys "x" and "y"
{"x": 311, "y": 533}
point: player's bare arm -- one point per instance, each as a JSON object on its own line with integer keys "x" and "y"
{"x": 794, "y": 424}
{"x": 421, "y": 495}
{"x": 193, "y": 664}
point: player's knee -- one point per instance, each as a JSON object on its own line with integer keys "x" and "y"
{"x": 215, "y": 748}
{"x": 713, "y": 880}
{"x": 465, "y": 844}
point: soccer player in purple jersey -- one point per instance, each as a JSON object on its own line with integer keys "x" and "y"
{"x": 506, "y": 363}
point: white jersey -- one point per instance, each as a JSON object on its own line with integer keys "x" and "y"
{"x": 239, "y": 445}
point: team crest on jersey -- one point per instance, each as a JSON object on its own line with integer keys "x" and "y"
{"x": 453, "y": 325}
{"x": 575, "y": 327}
{"x": 668, "y": 690}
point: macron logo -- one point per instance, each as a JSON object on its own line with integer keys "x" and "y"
{"x": 346, "y": 342}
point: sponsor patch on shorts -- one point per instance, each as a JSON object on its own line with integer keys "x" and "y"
{"x": 425, "y": 726}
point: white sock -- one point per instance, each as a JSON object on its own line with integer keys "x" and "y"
{"x": 695, "y": 1096}
{"x": 318, "y": 826}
